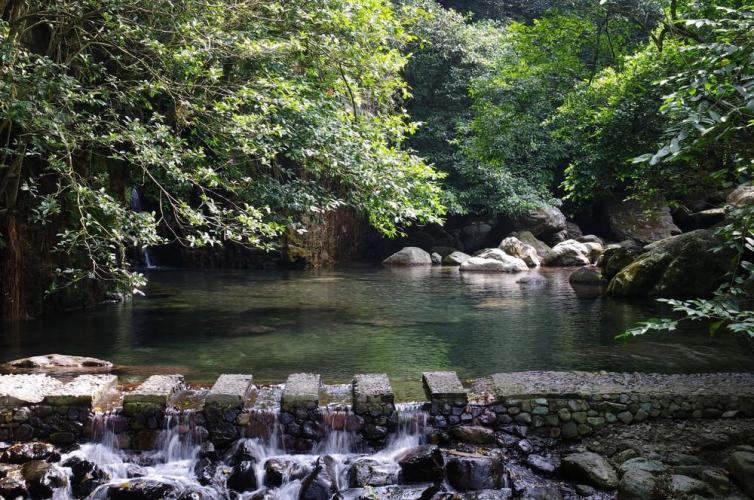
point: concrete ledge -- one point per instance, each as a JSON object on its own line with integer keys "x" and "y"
{"x": 231, "y": 390}
{"x": 444, "y": 387}
{"x": 85, "y": 391}
{"x": 534, "y": 384}
{"x": 301, "y": 391}
{"x": 24, "y": 390}
{"x": 156, "y": 391}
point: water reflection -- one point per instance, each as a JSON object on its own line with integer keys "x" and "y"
{"x": 339, "y": 323}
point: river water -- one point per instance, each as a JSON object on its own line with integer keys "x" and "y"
{"x": 342, "y": 322}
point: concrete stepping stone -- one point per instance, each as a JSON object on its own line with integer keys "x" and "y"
{"x": 301, "y": 391}
{"x": 24, "y": 390}
{"x": 372, "y": 392}
{"x": 83, "y": 391}
{"x": 444, "y": 387}
{"x": 156, "y": 391}
{"x": 231, "y": 390}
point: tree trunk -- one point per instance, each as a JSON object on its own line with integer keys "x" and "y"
{"x": 14, "y": 304}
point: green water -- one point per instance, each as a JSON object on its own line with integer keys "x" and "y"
{"x": 343, "y": 322}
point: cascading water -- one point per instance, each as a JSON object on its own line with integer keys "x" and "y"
{"x": 136, "y": 206}
{"x": 175, "y": 462}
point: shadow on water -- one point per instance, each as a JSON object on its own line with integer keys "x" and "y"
{"x": 339, "y": 323}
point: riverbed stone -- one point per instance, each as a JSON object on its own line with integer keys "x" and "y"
{"x": 422, "y": 464}
{"x": 444, "y": 387}
{"x": 231, "y": 390}
{"x": 474, "y": 472}
{"x": 154, "y": 393}
{"x": 301, "y": 392}
{"x": 637, "y": 485}
{"x": 473, "y": 434}
{"x": 21, "y": 390}
{"x": 370, "y": 472}
{"x": 592, "y": 468}
{"x": 85, "y": 391}
{"x": 409, "y": 256}
{"x": 741, "y": 467}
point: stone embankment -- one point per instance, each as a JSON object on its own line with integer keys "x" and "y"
{"x": 563, "y": 405}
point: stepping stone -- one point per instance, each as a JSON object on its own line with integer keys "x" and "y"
{"x": 301, "y": 391}
{"x": 372, "y": 392}
{"x": 156, "y": 391}
{"x": 24, "y": 390}
{"x": 444, "y": 387}
{"x": 231, "y": 390}
{"x": 83, "y": 391}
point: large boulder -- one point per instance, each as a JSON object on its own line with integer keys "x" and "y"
{"x": 643, "y": 222}
{"x": 528, "y": 238}
{"x": 409, "y": 256}
{"x": 569, "y": 253}
{"x": 494, "y": 260}
{"x": 741, "y": 467}
{"x": 468, "y": 473}
{"x": 43, "y": 478}
{"x": 517, "y": 248}
{"x": 591, "y": 468}
{"x": 637, "y": 484}
{"x": 370, "y": 472}
{"x": 680, "y": 266}
{"x": 587, "y": 275}
{"x": 455, "y": 259}
{"x": 742, "y": 195}
{"x": 60, "y": 363}
{"x": 616, "y": 257}
{"x": 543, "y": 223}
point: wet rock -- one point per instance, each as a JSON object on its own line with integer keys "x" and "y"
{"x": 409, "y": 256}
{"x": 588, "y": 275}
{"x": 543, "y": 465}
{"x": 421, "y": 464}
{"x": 595, "y": 250}
{"x": 643, "y": 464}
{"x": 569, "y": 253}
{"x": 277, "y": 469}
{"x": 637, "y": 484}
{"x": 43, "y": 478}
{"x": 474, "y": 472}
{"x": 516, "y": 248}
{"x": 59, "y": 363}
{"x": 20, "y": 453}
{"x": 617, "y": 257}
{"x": 473, "y": 434}
{"x": 243, "y": 477}
{"x": 573, "y": 231}
{"x": 370, "y": 472}
{"x": 455, "y": 259}
{"x": 204, "y": 471}
{"x": 540, "y": 492}
{"x": 317, "y": 485}
{"x": 741, "y": 467}
{"x": 12, "y": 488}
{"x": 591, "y": 468}
{"x": 684, "y": 487}
{"x": 140, "y": 489}
{"x": 85, "y": 476}
{"x": 643, "y": 222}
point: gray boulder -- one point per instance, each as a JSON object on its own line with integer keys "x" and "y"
{"x": 517, "y": 248}
{"x": 617, "y": 257}
{"x": 637, "y": 484}
{"x": 643, "y": 222}
{"x": 542, "y": 222}
{"x": 681, "y": 266}
{"x": 455, "y": 259}
{"x": 573, "y": 231}
{"x": 742, "y": 195}
{"x": 587, "y": 275}
{"x": 370, "y": 472}
{"x": 436, "y": 259}
{"x": 469, "y": 473}
{"x": 591, "y": 468}
{"x": 513, "y": 263}
{"x": 741, "y": 467}
{"x": 409, "y": 256}
{"x": 685, "y": 487}
{"x": 569, "y": 253}
{"x": 528, "y": 238}
{"x": 482, "y": 265}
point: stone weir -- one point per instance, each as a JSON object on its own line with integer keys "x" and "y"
{"x": 299, "y": 413}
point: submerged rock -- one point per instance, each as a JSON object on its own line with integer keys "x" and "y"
{"x": 681, "y": 266}
{"x": 59, "y": 363}
{"x": 591, "y": 468}
{"x": 409, "y": 256}
{"x": 516, "y": 248}
{"x": 423, "y": 464}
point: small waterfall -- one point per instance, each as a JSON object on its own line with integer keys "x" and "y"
{"x": 411, "y": 431}
{"x": 338, "y": 439}
{"x": 137, "y": 207}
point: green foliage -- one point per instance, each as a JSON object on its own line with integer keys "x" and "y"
{"x": 240, "y": 119}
